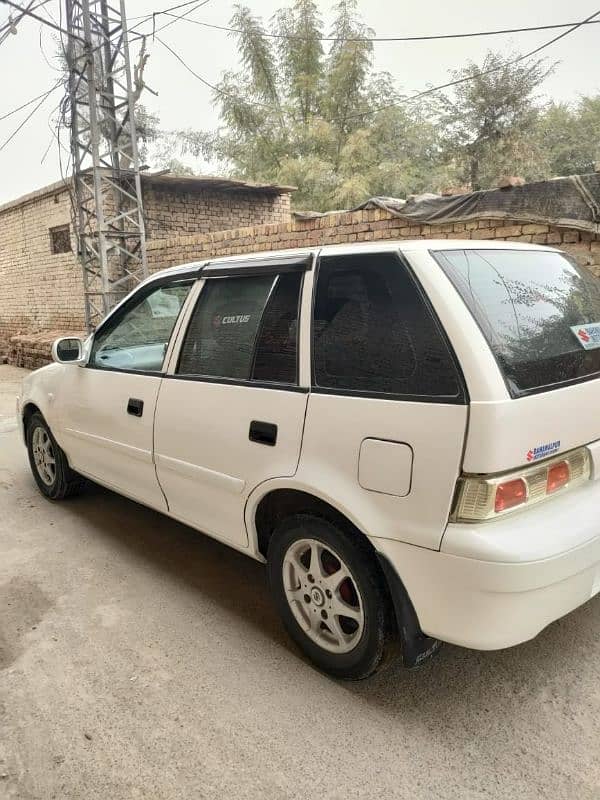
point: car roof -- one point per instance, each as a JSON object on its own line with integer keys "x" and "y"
{"x": 405, "y": 245}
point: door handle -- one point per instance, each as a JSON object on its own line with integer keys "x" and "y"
{"x": 135, "y": 407}
{"x": 263, "y": 432}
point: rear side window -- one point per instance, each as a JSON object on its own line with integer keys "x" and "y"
{"x": 244, "y": 329}
{"x": 535, "y": 308}
{"x": 373, "y": 332}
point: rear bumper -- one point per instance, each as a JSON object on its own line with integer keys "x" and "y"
{"x": 522, "y": 575}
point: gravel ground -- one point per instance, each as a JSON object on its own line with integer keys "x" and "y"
{"x": 139, "y": 659}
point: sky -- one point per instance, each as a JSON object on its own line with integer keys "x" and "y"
{"x": 31, "y": 160}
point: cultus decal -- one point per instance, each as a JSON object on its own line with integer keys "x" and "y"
{"x": 236, "y": 319}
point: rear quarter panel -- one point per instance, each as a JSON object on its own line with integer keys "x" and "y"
{"x": 336, "y": 427}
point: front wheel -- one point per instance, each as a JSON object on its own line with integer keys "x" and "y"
{"x": 49, "y": 465}
{"x": 328, "y": 591}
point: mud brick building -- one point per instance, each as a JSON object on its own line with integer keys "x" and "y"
{"x": 42, "y": 286}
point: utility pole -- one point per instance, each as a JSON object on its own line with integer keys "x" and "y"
{"x": 108, "y": 212}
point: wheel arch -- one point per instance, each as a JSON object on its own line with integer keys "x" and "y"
{"x": 278, "y": 502}
{"x": 28, "y": 410}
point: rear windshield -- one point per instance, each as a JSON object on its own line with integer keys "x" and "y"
{"x": 538, "y": 310}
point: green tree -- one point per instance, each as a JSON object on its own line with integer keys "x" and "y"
{"x": 318, "y": 116}
{"x": 298, "y": 114}
{"x": 568, "y": 138}
{"x": 489, "y": 120}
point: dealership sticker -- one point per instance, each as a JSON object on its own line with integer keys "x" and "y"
{"x": 588, "y": 336}
{"x": 543, "y": 451}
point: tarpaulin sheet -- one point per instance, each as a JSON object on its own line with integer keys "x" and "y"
{"x": 572, "y": 202}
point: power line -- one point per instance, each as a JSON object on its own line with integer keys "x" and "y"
{"x": 164, "y": 11}
{"x": 167, "y": 11}
{"x": 412, "y": 98}
{"x": 10, "y": 26}
{"x": 384, "y": 38}
{"x": 212, "y": 85}
{"x": 28, "y": 13}
{"x": 489, "y": 71}
{"x": 29, "y": 102}
{"x": 41, "y": 45}
{"x": 27, "y": 118}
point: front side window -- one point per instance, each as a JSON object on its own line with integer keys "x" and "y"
{"x": 373, "y": 332}
{"x": 534, "y": 308}
{"x": 136, "y": 338}
{"x": 244, "y": 329}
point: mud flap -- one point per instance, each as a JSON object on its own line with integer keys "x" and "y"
{"x": 416, "y": 647}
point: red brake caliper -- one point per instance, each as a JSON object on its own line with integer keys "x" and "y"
{"x": 346, "y": 592}
{"x": 331, "y": 565}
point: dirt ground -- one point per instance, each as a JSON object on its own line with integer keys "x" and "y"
{"x": 139, "y": 659}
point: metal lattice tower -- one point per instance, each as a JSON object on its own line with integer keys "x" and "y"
{"x": 108, "y": 212}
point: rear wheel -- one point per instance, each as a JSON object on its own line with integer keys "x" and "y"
{"x": 55, "y": 479}
{"x": 328, "y": 591}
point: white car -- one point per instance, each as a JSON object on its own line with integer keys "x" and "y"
{"x": 407, "y": 433}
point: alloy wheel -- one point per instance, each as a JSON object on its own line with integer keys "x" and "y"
{"x": 323, "y": 595}
{"x": 43, "y": 456}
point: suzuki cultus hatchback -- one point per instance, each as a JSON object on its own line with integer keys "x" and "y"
{"x": 408, "y": 434}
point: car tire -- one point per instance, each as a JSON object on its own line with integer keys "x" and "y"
{"x": 53, "y": 475}
{"x": 330, "y": 594}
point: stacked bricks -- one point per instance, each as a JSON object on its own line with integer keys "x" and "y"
{"x": 33, "y": 350}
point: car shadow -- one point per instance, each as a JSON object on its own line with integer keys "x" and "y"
{"x": 457, "y": 681}
{"x": 183, "y": 555}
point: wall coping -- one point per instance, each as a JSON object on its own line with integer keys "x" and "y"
{"x": 38, "y": 194}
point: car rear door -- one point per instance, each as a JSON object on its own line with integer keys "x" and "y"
{"x": 230, "y": 411}
{"x": 387, "y": 415}
{"x": 107, "y": 407}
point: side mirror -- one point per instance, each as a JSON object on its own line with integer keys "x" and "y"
{"x": 68, "y": 350}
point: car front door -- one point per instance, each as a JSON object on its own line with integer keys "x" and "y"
{"x": 107, "y": 407}
{"x": 230, "y": 412}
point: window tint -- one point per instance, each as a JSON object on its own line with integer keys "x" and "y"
{"x": 220, "y": 339}
{"x": 373, "y": 332}
{"x": 276, "y": 350}
{"x": 244, "y": 329}
{"x": 530, "y": 306}
{"x": 136, "y": 338}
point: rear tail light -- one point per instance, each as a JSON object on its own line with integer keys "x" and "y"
{"x": 558, "y": 476}
{"x": 510, "y": 494}
{"x": 481, "y": 497}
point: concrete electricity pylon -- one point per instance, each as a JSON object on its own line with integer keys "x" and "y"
{"x": 108, "y": 212}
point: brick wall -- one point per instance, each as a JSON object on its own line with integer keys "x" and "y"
{"x": 173, "y": 211}
{"x": 38, "y": 290}
{"x": 365, "y": 226}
